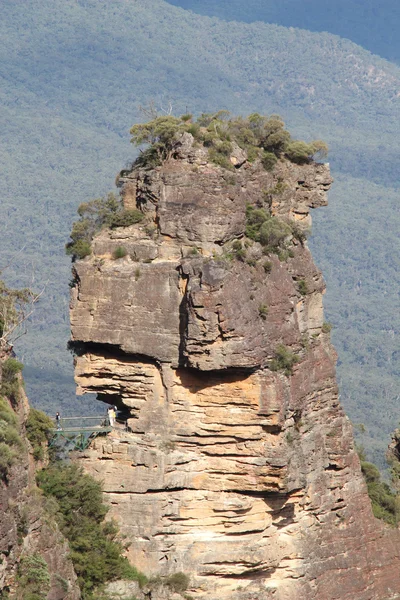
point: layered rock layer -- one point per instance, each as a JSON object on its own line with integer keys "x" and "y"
{"x": 237, "y": 467}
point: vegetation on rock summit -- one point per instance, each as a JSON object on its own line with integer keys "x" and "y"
{"x": 259, "y": 136}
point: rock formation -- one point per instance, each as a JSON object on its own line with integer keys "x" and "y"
{"x": 238, "y": 464}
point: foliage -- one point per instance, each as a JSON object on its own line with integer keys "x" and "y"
{"x": 269, "y": 160}
{"x": 238, "y": 251}
{"x": 301, "y": 152}
{"x": 10, "y": 440}
{"x": 125, "y": 218}
{"x": 271, "y": 232}
{"x": 267, "y": 266}
{"x": 131, "y": 572}
{"x": 255, "y": 217}
{"x": 277, "y": 190}
{"x": 7, "y": 414}
{"x": 326, "y": 327}
{"x": 119, "y": 252}
{"x": 10, "y": 368}
{"x": 10, "y": 383}
{"x": 219, "y": 158}
{"x": 256, "y": 134}
{"x": 33, "y": 577}
{"x": 302, "y": 287}
{"x": 96, "y": 551}
{"x": 284, "y": 360}
{"x": 178, "y": 582}
{"x": 263, "y": 311}
{"x": 9, "y": 435}
{"x": 94, "y": 215}
{"x": 160, "y": 133}
{"x": 8, "y": 457}
{"x": 383, "y": 499}
{"x": 81, "y": 248}
{"x": 38, "y": 431}
{"x": 299, "y": 232}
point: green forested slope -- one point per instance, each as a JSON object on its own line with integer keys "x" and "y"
{"x": 356, "y": 244}
{"x": 73, "y": 74}
{"x": 373, "y": 24}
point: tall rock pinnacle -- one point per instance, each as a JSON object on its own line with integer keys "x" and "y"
{"x": 238, "y": 464}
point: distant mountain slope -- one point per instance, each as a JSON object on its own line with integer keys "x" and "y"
{"x": 374, "y": 24}
{"x": 73, "y": 74}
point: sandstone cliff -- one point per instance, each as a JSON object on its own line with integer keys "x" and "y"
{"x": 238, "y": 466}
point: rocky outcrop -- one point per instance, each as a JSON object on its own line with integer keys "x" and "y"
{"x": 238, "y": 464}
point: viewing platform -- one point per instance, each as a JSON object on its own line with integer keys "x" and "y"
{"x": 79, "y": 432}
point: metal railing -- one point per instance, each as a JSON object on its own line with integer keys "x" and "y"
{"x": 78, "y": 432}
{"x": 85, "y": 423}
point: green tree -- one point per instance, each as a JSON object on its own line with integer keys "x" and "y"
{"x": 96, "y": 551}
{"x": 38, "y": 431}
{"x": 384, "y": 500}
{"x": 301, "y": 152}
{"x": 93, "y": 216}
{"x": 273, "y": 232}
{"x": 10, "y": 383}
{"x": 102, "y": 212}
{"x": 160, "y": 133}
{"x": 11, "y": 443}
{"x": 33, "y": 577}
{"x": 284, "y": 360}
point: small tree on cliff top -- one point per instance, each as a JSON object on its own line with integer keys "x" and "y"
{"x": 160, "y": 133}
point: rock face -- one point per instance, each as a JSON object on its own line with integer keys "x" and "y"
{"x": 237, "y": 467}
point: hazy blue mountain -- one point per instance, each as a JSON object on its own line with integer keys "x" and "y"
{"x": 374, "y": 24}
{"x": 73, "y": 73}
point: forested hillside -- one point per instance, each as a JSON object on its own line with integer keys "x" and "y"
{"x": 373, "y": 24}
{"x": 73, "y": 75}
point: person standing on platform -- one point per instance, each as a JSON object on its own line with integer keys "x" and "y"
{"x": 111, "y": 416}
{"x": 58, "y": 421}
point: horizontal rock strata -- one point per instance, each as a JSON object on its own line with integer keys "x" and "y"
{"x": 234, "y": 468}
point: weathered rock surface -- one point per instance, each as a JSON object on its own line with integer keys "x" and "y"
{"x": 241, "y": 476}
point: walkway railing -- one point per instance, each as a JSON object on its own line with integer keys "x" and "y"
{"x": 78, "y": 432}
